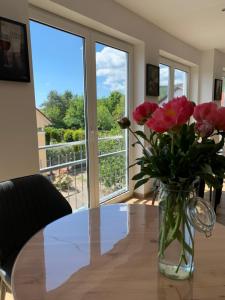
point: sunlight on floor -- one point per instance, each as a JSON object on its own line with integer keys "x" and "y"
{"x": 220, "y": 212}
{"x": 8, "y": 296}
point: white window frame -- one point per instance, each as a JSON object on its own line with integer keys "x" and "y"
{"x": 172, "y": 66}
{"x": 91, "y": 37}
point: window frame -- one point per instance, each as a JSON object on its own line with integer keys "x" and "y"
{"x": 91, "y": 37}
{"x": 178, "y": 66}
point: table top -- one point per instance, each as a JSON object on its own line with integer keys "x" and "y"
{"x": 110, "y": 253}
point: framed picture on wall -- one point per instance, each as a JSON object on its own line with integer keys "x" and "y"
{"x": 14, "y": 61}
{"x": 218, "y": 85}
{"x": 152, "y": 80}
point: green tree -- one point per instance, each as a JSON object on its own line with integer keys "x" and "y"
{"x": 113, "y": 100}
{"x": 104, "y": 117}
{"x": 119, "y": 110}
{"x": 55, "y": 107}
{"x": 68, "y": 135}
{"x": 74, "y": 117}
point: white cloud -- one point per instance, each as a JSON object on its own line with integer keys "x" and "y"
{"x": 164, "y": 75}
{"x": 111, "y": 64}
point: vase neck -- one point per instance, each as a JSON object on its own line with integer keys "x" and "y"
{"x": 186, "y": 187}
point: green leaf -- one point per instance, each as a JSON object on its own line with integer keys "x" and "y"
{"x": 134, "y": 164}
{"x": 142, "y": 134}
{"x": 138, "y": 176}
{"x": 206, "y": 169}
{"x": 140, "y": 182}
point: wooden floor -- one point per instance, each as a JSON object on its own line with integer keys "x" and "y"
{"x": 220, "y": 213}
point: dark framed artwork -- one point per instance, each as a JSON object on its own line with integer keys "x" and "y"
{"x": 14, "y": 60}
{"x": 218, "y": 89}
{"x": 152, "y": 80}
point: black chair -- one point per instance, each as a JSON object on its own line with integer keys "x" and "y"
{"x": 27, "y": 204}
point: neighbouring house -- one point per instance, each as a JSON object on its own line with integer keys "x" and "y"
{"x": 42, "y": 122}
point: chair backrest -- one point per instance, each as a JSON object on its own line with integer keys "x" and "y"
{"x": 27, "y": 204}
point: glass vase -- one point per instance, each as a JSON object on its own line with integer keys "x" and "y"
{"x": 176, "y": 233}
{"x": 180, "y": 214}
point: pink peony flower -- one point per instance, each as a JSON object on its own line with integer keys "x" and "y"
{"x": 206, "y": 112}
{"x": 204, "y": 128}
{"x": 143, "y": 112}
{"x": 173, "y": 114}
{"x": 206, "y": 115}
{"x": 220, "y": 120}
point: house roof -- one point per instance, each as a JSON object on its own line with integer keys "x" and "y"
{"x": 43, "y": 115}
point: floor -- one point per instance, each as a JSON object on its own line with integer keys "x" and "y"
{"x": 9, "y": 297}
{"x": 220, "y": 214}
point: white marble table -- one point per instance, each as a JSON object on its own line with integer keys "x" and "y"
{"x": 110, "y": 253}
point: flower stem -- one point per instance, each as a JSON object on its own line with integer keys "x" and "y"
{"x": 136, "y": 136}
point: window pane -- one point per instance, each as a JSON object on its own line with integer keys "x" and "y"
{"x": 111, "y": 71}
{"x": 180, "y": 83}
{"x": 164, "y": 83}
{"x": 59, "y": 94}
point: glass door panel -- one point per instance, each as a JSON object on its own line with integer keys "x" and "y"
{"x": 112, "y": 79}
{"x": 164, "y": 83}
{"x": 60, "y": 109}
{"x": 180, "y": 83}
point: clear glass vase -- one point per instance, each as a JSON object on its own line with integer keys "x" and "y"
{"x": 180, "y": 213}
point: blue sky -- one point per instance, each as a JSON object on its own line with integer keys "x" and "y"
{"x": 57, "y": 58}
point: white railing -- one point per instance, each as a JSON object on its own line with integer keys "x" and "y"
{"x": 68, "y": 170}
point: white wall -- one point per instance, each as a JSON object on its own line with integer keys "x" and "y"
{"x": 119, "y": 18}
{"x": 206, "y": 76}
{"x": 18, "y": 132}
{"x": 211, "y": 67}
{"x": 219, "y": 64}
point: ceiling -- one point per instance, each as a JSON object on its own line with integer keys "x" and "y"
{"x": 200, "y": 23}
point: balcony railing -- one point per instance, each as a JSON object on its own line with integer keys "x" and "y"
{"x": 65, "y": 165}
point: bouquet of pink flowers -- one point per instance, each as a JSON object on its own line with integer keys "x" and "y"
{"x": 177, "y": 149}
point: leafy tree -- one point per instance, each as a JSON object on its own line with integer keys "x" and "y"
{"x": 119, "y": 110}
{"x": 55, "y": 107}
{"x": 104, "y": 117}
{"x": 74, "y": 117}
{"x": 67, "y": 97}
{"x": 78, "y": 135}
{"x": 53, "y": 135}
{"x": 68, "y": 135}
{"x": 113, "y": 100}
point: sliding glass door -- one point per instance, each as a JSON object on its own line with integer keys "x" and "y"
{"x": 112, "y": 83}
{"x": 60, "y": 109}
{"x": 81, "y": 89}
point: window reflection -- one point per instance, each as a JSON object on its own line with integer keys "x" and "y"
{"x": 180, "y": 83}
{"x": 164, "y": 83}
{"x": 80, "y": 239}
{"x": 112, "y": 231}
{"x": 73, "y": 245}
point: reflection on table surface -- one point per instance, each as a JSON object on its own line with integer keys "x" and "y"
{"x": 110, "y": 253}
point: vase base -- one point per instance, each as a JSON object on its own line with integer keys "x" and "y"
{"x": 171, "y": 272}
